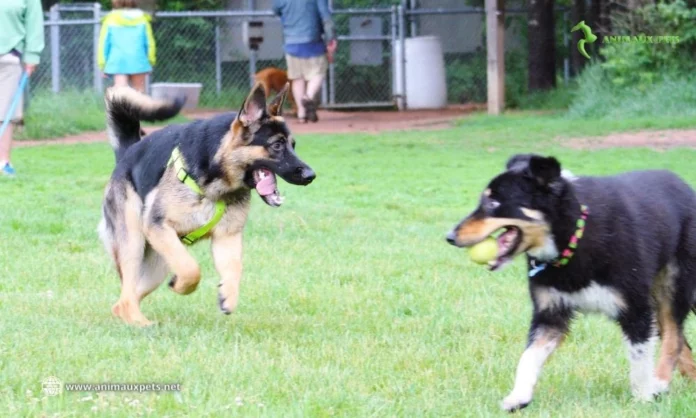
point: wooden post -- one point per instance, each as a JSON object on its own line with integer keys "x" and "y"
{"x": 495, "y": 47}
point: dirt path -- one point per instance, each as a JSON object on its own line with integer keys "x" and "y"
{"x": 329, "y": 122}
{"x": 658, "y": 140}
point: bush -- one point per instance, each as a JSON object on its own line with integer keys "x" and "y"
{"x": 467, "y": 78}
{"x": 639, "y": 65}
{"x": 598, "y": 96}
{"x": 643, "y": 79}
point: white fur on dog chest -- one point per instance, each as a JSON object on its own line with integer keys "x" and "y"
{"x": 594, "y": 298}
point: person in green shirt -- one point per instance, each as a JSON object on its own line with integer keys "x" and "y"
{"x": 21, "y": 44}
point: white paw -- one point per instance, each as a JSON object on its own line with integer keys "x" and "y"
{"x": 648, "y": 392}
{"x": 515, "y": 401}
{"x": 661, "y": 386}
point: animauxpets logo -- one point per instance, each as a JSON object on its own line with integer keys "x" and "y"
{"x": 589, "y": 37}
{"x": 614, "y": 39}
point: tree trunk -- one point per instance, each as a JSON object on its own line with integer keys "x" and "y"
{"x": 605, "y": 17}
{"x": 594, "y": 23}
{"x": 542, "y": 45}
{"x": 577, "y": 14}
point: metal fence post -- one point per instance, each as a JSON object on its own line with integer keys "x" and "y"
{"x": 218, "y": 58}
{"x": 324, "y": 92}
{"x": 414, "y": 24}
{"x": 251, "y": 5}
{"x": 566, "y": 43}
{"x": 332, "y": 82}
{"x": 396, "y": 59}
{"x": 252, "y": 66}
{"x": 98, "y": 82}
{"x": 54, "y": 16}
{"x": 403, "y": 102}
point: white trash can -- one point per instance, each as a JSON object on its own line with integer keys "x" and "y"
{"x": 169, "y": 91}
{"x": 426, "y": 83}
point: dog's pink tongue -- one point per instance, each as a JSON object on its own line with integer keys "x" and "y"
{"x": 266, "y": 186}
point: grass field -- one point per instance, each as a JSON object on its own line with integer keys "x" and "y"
{"x": 352, "y": 303}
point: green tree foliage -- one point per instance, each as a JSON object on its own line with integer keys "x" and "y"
{"x": 638, "y": 64}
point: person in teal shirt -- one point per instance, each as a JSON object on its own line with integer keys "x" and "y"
{"x": 127, "y": 48}
{"x": 21, "y": 44}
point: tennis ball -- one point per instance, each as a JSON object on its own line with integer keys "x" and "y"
{"x": 484, "y": 251}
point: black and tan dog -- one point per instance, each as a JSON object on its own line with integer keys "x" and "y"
{"x": 622, "y": 245}
{"x": 185, "y": 183}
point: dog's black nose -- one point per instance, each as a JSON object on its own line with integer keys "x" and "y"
{"x": 451, "y": 237}
{"x": 306, "y": 174}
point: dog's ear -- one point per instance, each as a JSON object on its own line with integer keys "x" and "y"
{"x": 518, "y": 162}
{"x": 254, "y": 107}
{"x": 275, "y": 108}
{"x": 546, "y": 170}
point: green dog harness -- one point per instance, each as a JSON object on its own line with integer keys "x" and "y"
{"x": 179, "y": 166}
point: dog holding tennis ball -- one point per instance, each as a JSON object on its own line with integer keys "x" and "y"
{"x": 622, "y": 245}
{"x": 485, "y": 251}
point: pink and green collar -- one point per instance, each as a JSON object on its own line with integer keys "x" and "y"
{"x": 568, "y": 253}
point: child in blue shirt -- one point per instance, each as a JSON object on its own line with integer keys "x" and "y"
{"x": 126, "y": 45}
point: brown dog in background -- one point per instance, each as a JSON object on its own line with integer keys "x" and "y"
{"x": 273, "y": 80}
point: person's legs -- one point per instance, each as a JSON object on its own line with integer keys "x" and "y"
{"x": 297, "y": 83}
{"x": 10, "y": 75}
{"x": 120, "y": 80}
{"x": 298, "y": 92}
{"x": 6, "y": 144}
{"x": 314, "y": 85}
{"x": 137, "y": 81}
{"x": 315, "y": 70}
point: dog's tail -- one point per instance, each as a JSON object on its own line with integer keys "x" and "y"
{"x": 126, "y": 107}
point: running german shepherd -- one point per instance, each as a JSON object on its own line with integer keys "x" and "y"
{"x": 185, "y": 183}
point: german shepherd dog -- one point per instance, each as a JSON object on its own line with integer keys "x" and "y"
{"x": 273, "y": 80}
{"x": 174, "y": 181}
{"x": 622, "y": 245}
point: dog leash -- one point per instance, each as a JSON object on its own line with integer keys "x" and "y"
{"x": 179, "y": 166}
{"x": 15, "y": 102}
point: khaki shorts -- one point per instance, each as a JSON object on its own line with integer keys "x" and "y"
{"x": 306, "y": 68}
{"x": 10, "y": 74}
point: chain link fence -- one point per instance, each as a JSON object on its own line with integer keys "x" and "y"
{"x": 209, "y": 48}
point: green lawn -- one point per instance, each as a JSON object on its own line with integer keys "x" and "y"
{"x": 352, "y": 303}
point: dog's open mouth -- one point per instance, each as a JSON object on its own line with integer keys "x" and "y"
{"x": 509, "y": 239}
{"x": 267, "y": 187}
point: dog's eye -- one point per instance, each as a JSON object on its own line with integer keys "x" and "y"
{"x": 492, "y": 204}
{"x": 278, "y": 145}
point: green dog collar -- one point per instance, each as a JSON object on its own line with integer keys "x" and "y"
{"x": 179, "y": 166}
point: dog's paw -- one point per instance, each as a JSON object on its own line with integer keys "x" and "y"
{"x": 130, "y": 314}
{"x": 661, "y": 386}
{"x": 650, "y": 392}
{"x": 181, "y": 287}
{"x": 227, "y": 305}
{"x": 515, "y": 401}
